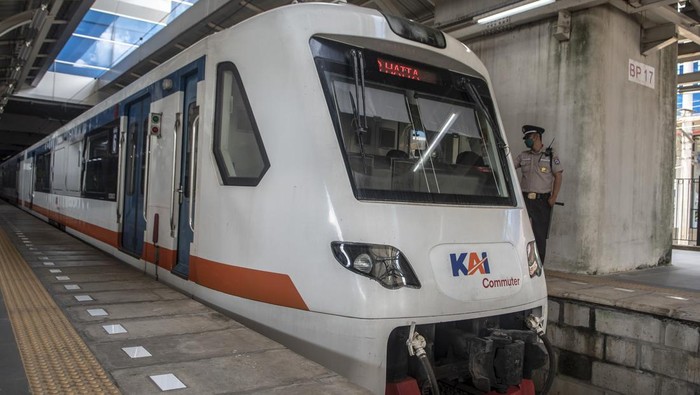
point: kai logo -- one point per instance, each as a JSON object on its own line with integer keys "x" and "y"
{"x": 476, "y": 263}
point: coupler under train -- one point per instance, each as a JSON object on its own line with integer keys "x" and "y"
{"x": 495, "y": 355}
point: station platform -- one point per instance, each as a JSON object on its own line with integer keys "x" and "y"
{"x": 76, "y": 320}
{"x": 671, "y": 291}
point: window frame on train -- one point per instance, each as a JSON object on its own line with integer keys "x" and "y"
{"x": 335, "y": 59}
{"x": 107, "y": 178}
{"x": 223, "y": 135}
{"x": 45, "y": 158}
{"x": 9, "y": 173}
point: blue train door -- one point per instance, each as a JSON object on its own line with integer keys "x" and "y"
{"x": 186, "y": 188}
{"x": 134, "y": 222}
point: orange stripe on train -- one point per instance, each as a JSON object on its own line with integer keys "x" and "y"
{"x": 268, "y": 287}
{"x": 263, "y": 286}
{"x": 102, "y": 234}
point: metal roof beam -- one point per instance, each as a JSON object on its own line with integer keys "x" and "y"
{"x": 637, "y": 6}
{"x": 687, "y": 27}
{"x": 658, "y": 37}
{"x": 691, "y": 33}
{"x": 688, "y": 89}
{"x": 77, "y": 16}
{"x": 42, "y": 22}
{"x": 15, "y": 21}
{"x": 688, "y": 49}
{"x": 689, "y": 78}
{"x": 690, "y": 57}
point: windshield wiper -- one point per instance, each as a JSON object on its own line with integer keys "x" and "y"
{"x": 482, "y": 106}
{"x": 500, "y": 142}
{"x": 359, "y": 119}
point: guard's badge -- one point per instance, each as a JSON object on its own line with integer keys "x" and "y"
{"x": 556, "y": 160}
{"x": 544, "y": 169}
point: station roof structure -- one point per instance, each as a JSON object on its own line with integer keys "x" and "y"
{"x": 60, "y": 57}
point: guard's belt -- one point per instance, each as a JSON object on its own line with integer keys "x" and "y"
{"x": 533, "y": 195}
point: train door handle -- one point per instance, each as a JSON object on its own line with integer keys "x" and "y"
{"x": 180, "y": 192}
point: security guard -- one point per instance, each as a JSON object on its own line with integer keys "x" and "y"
{"x": 540, "y": 182}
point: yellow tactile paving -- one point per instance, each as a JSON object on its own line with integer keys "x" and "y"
{"x": 55, "y": 358}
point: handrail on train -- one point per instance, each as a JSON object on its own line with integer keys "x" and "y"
{"x": 195, "y": 130}
{"x": 172, "y": 179}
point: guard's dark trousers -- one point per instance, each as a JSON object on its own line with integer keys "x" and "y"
{"x": 540, "y": 213}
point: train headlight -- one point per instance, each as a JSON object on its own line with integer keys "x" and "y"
{"x": 382, "y": 263}
{"x": 363, "y": 263}
{"x": 534, "y": 263}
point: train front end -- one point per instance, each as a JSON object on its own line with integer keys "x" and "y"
{"x": 457, "y": 288}
{"x": 390, "y": 204}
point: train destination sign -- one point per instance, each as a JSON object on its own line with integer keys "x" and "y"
{"x": 405, "y": 71}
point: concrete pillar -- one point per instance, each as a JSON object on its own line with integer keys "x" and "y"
{"x": 615, "y": 137}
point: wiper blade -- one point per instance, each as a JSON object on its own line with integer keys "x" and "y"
{"x": 359, "y": 73}
{"x": 360, "y": 120}
{"x": 482, "y": 106}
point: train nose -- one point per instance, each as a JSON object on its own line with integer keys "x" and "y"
{"x": 469, "y": 272}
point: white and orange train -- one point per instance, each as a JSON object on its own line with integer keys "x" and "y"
{"x": 334, "y": 177}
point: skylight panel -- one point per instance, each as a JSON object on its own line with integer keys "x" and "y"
{"x": 111, "y": 30}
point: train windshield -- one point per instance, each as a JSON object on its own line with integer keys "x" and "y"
{"x": 411, "y": 132}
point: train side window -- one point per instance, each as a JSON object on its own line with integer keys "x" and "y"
{"x": 8, "y": 175}
{"x": 42, "y": 176}
{"x": 58, "y": 176}
{"x": 73, "y": 167}
{"x": 238, "y": 147}
{"x": 100, "y": 170}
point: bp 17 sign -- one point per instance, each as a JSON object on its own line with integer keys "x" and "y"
{"x": 641, "y": 73}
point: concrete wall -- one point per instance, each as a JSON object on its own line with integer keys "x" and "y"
{"x": 614, "y": 136}
{"x": 600, "y": 349}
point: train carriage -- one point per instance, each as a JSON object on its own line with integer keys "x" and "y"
{"x": 334, "y": 177}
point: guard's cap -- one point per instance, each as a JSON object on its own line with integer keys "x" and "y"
{"x": 527, "y": 129}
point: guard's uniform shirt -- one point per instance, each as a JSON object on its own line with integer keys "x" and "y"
{"x": 538, "y": 175}
{"x": 536, "y": 182}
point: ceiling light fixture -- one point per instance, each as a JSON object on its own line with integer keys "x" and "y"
{"x": 514, "y": 11}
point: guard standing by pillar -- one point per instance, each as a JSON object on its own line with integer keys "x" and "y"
{"x": 541, "y": 180}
